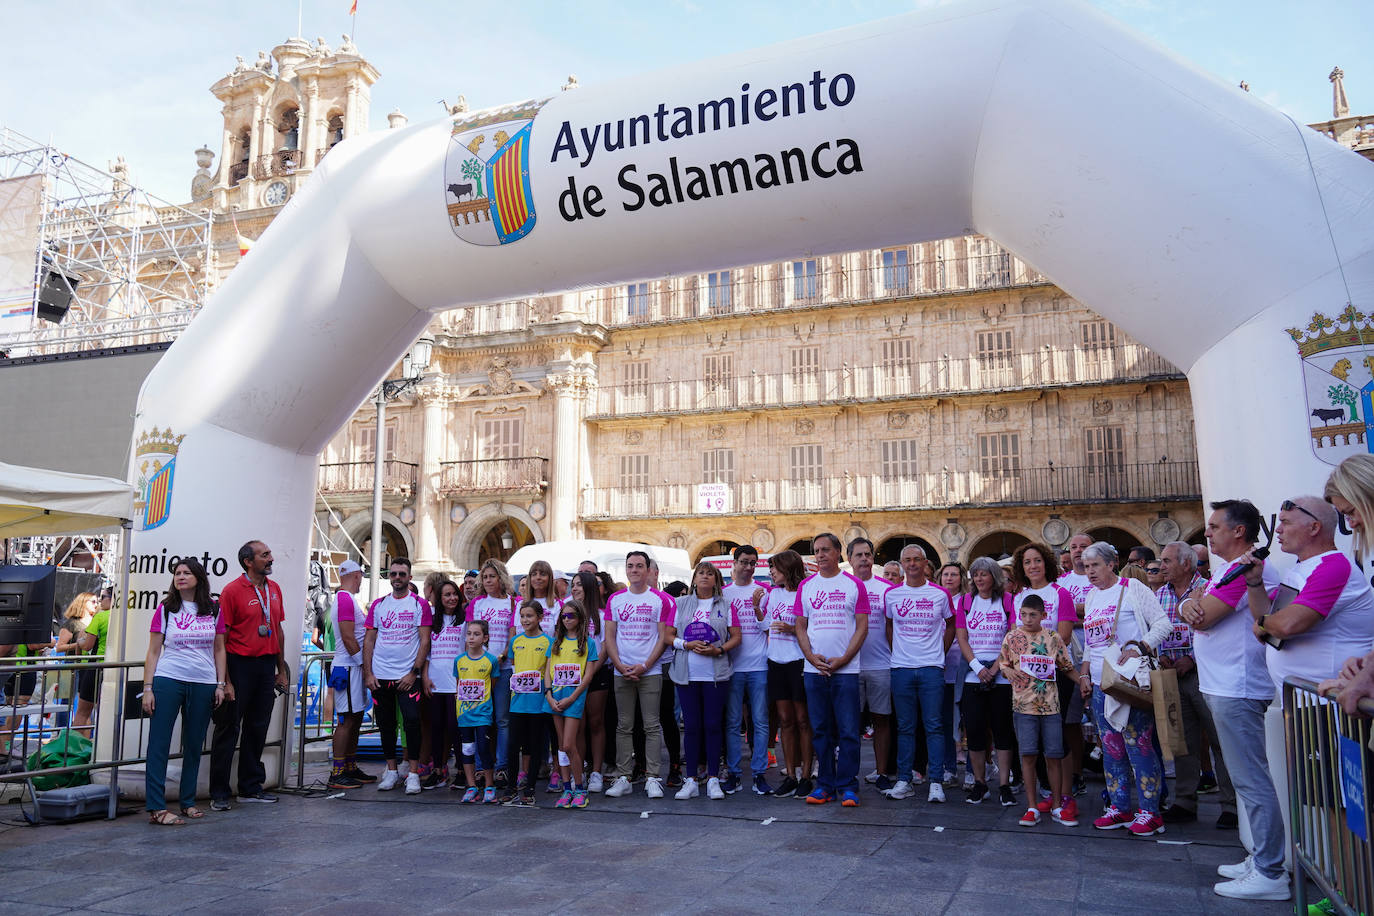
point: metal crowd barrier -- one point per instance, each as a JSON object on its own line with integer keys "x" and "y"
{"x": 312, "y": 693}
{"x": 53, "y": 710}
{"x": 1330, "y": 758}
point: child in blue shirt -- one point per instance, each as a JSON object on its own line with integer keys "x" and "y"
{"x": 474, "y": 671}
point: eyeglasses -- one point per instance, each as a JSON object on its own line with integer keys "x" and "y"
{"x": 1288, "y": 506}
{"x": 398, "y": 575}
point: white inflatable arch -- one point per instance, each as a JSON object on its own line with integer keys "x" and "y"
{"x": 1201, "y": 220}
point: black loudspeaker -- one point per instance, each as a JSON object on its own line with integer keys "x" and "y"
{"x": 55, "y": 296}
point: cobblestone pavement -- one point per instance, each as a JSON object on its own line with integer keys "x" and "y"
{"x": 383, "y": 852}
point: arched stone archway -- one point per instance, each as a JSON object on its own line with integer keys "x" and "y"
{"x": 890, "y": 548}
{"x": 997, "y": 544}
{"x": 1119, "y": 538}
{"x": 359, "y": 528}
{"x": 466, "y": 545}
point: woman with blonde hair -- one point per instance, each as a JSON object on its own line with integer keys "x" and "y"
{"x": 74, "y": 622}
{"x": 1350, "y": 488}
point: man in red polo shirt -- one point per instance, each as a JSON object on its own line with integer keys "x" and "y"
{"x": 252, "y": 611}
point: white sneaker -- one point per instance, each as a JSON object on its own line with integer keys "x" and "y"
{"x": 1254, "y": 886}
{"x": 595, "y": 783}
{"x": 388, "y": 781}
{"x": 937, "y": 793}
{"x": 713, "y": 789}
{"x": 1239, "y": 870}
{"x": 412, "y": 783}
{"x": 653, "y": 787}
{"x": 872, "y": 777}
{"x": 688, "y": 790}
{"x": 620, "y": 787}
{"x": 902, "y": 789}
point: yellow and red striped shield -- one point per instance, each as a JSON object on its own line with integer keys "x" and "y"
{"x": 159, "y": 507}
{"x": 508, "y": 177}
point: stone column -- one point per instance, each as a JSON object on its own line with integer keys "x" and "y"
{"x": 308, "y": 140}
{"x": 569, "y": 389}
{"x": 258, "y": 142}
{"x": 429, "y": 508}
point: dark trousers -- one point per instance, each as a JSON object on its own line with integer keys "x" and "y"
{"x": 703, "y": 711}
{"x": 443, "y": 728}
{"x": 529, "y": 734}
{"x": 385, "y": 699}
{"x": 194, "y": 703}
{"x": 249, "y": 714}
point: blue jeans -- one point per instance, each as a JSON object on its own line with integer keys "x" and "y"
{"x": 1129, "y": 752}
{"x": 1240, "y": 734}
{"x": 194, "y": 702}
{"x": 500, "y": 701}
{"x": 755, "y": 684}
{"x": 919, "y": 692}
{"x": 833, "y": 705}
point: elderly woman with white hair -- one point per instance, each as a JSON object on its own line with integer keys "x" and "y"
{"x": 1121, "y": 619}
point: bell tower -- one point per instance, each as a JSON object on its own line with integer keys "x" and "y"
{"x": 282, "y": 114}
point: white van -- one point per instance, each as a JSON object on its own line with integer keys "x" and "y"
{"x": 607, "y": 555}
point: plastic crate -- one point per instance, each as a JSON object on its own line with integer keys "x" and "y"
{"x": 77, "y": 801}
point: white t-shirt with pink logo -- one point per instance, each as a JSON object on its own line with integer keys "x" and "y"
{"x": 549, "y": 622}
{"x": 830, "y": 606}
{"x": 918, "y": 614}
{"x": 188, "y": 645}
{"x": 348, "y": 617}
{"x": 703, "y": 667}
{"x": 780, "y": 606}
{"x": 1230, "y": 660}
{"x": 636, "y": 619}
{"x": 752, "y": 652}
{"x": 397, "y": 622}
{"x": 444, "y": 647}
{"x": 1336, "y": 589}
{"x": 499, "y": 613}
{"x": 987, "y": 621}
{"x": 1058, "y": 603}
{"x": 1078, "y": 585}
{"x": 875, "y": 654}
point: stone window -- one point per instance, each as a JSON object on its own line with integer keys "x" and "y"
{"x": 718, "y": 465}
{"x": 637, "y": 301}
{"x": 991, "y": 264}
{"x": 999, "y": 454}
{"x": 806, "y": 280}
{"x": 636, "y": 378}
{"x": 898, "y": 459}
{"x": 719, "y": 291}
{"x": 807, "y": 468}
{"x": 995, "y": 351}
{"x": 1104, "y": 450}
{"x": 336, "y": 131}
{"x": 501, "y": 437}
{"x": 719, "y": 370}
{"x": 1098, "y": 335}
{"x": 367, "y": 441}
{"x": 896, "y": 271}
{"x": 806, "y": 363}
{"x": 634, "y": 472}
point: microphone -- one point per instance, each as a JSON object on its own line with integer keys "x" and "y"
{"x": 1241, "y": 570}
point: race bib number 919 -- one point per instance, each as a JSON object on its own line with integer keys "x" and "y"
{"x": 525, "y": 682}
{"x": 567, "y": 674}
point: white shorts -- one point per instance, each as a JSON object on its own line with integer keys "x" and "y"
{"x": 353, "y": 698}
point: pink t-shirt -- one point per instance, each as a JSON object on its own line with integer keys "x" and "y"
{"x": 397, "y": 622}
{"x": 499, "y": 613}
{"x": 780, "y": 606}
{"x": 188, "y": 646}
{"x": 1336, "y": 589}
{"x": 918, "y": 614}
{"x": 986, "y": 620}
{"x": 636, "y": 619}
{"x": 830, "y": 606}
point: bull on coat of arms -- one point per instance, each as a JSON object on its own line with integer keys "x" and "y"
{"x": 487, "y": 174}
{"x": 1338, "y": 379}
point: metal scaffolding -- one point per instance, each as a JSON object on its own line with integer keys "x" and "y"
{"x": 140, "y": 262}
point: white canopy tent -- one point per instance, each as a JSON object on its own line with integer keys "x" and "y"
{"x": 36, "y": 501}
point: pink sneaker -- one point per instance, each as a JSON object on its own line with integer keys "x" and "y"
{"x": 1112, "y": 819}
{"x": 1146, "y": 824}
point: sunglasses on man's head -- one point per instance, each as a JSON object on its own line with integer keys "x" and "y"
{"x": 1288, "y": 506}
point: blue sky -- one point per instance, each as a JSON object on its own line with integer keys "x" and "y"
{"x": 131, "y": 78}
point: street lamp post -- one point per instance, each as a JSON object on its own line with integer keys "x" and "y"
{"x": 412, "y": 373}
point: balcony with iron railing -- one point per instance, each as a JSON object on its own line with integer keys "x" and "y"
{"x": 494, "y": 475}
{"x": 1163, "y": 481}
{"x": 1042, "y": 368}
{"x": 751, "y": 291}
{"x": 398, "y": 477}
{"x": 279, "y": 164}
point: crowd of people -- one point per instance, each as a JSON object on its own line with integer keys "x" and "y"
{"x": 515, "y": 685}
